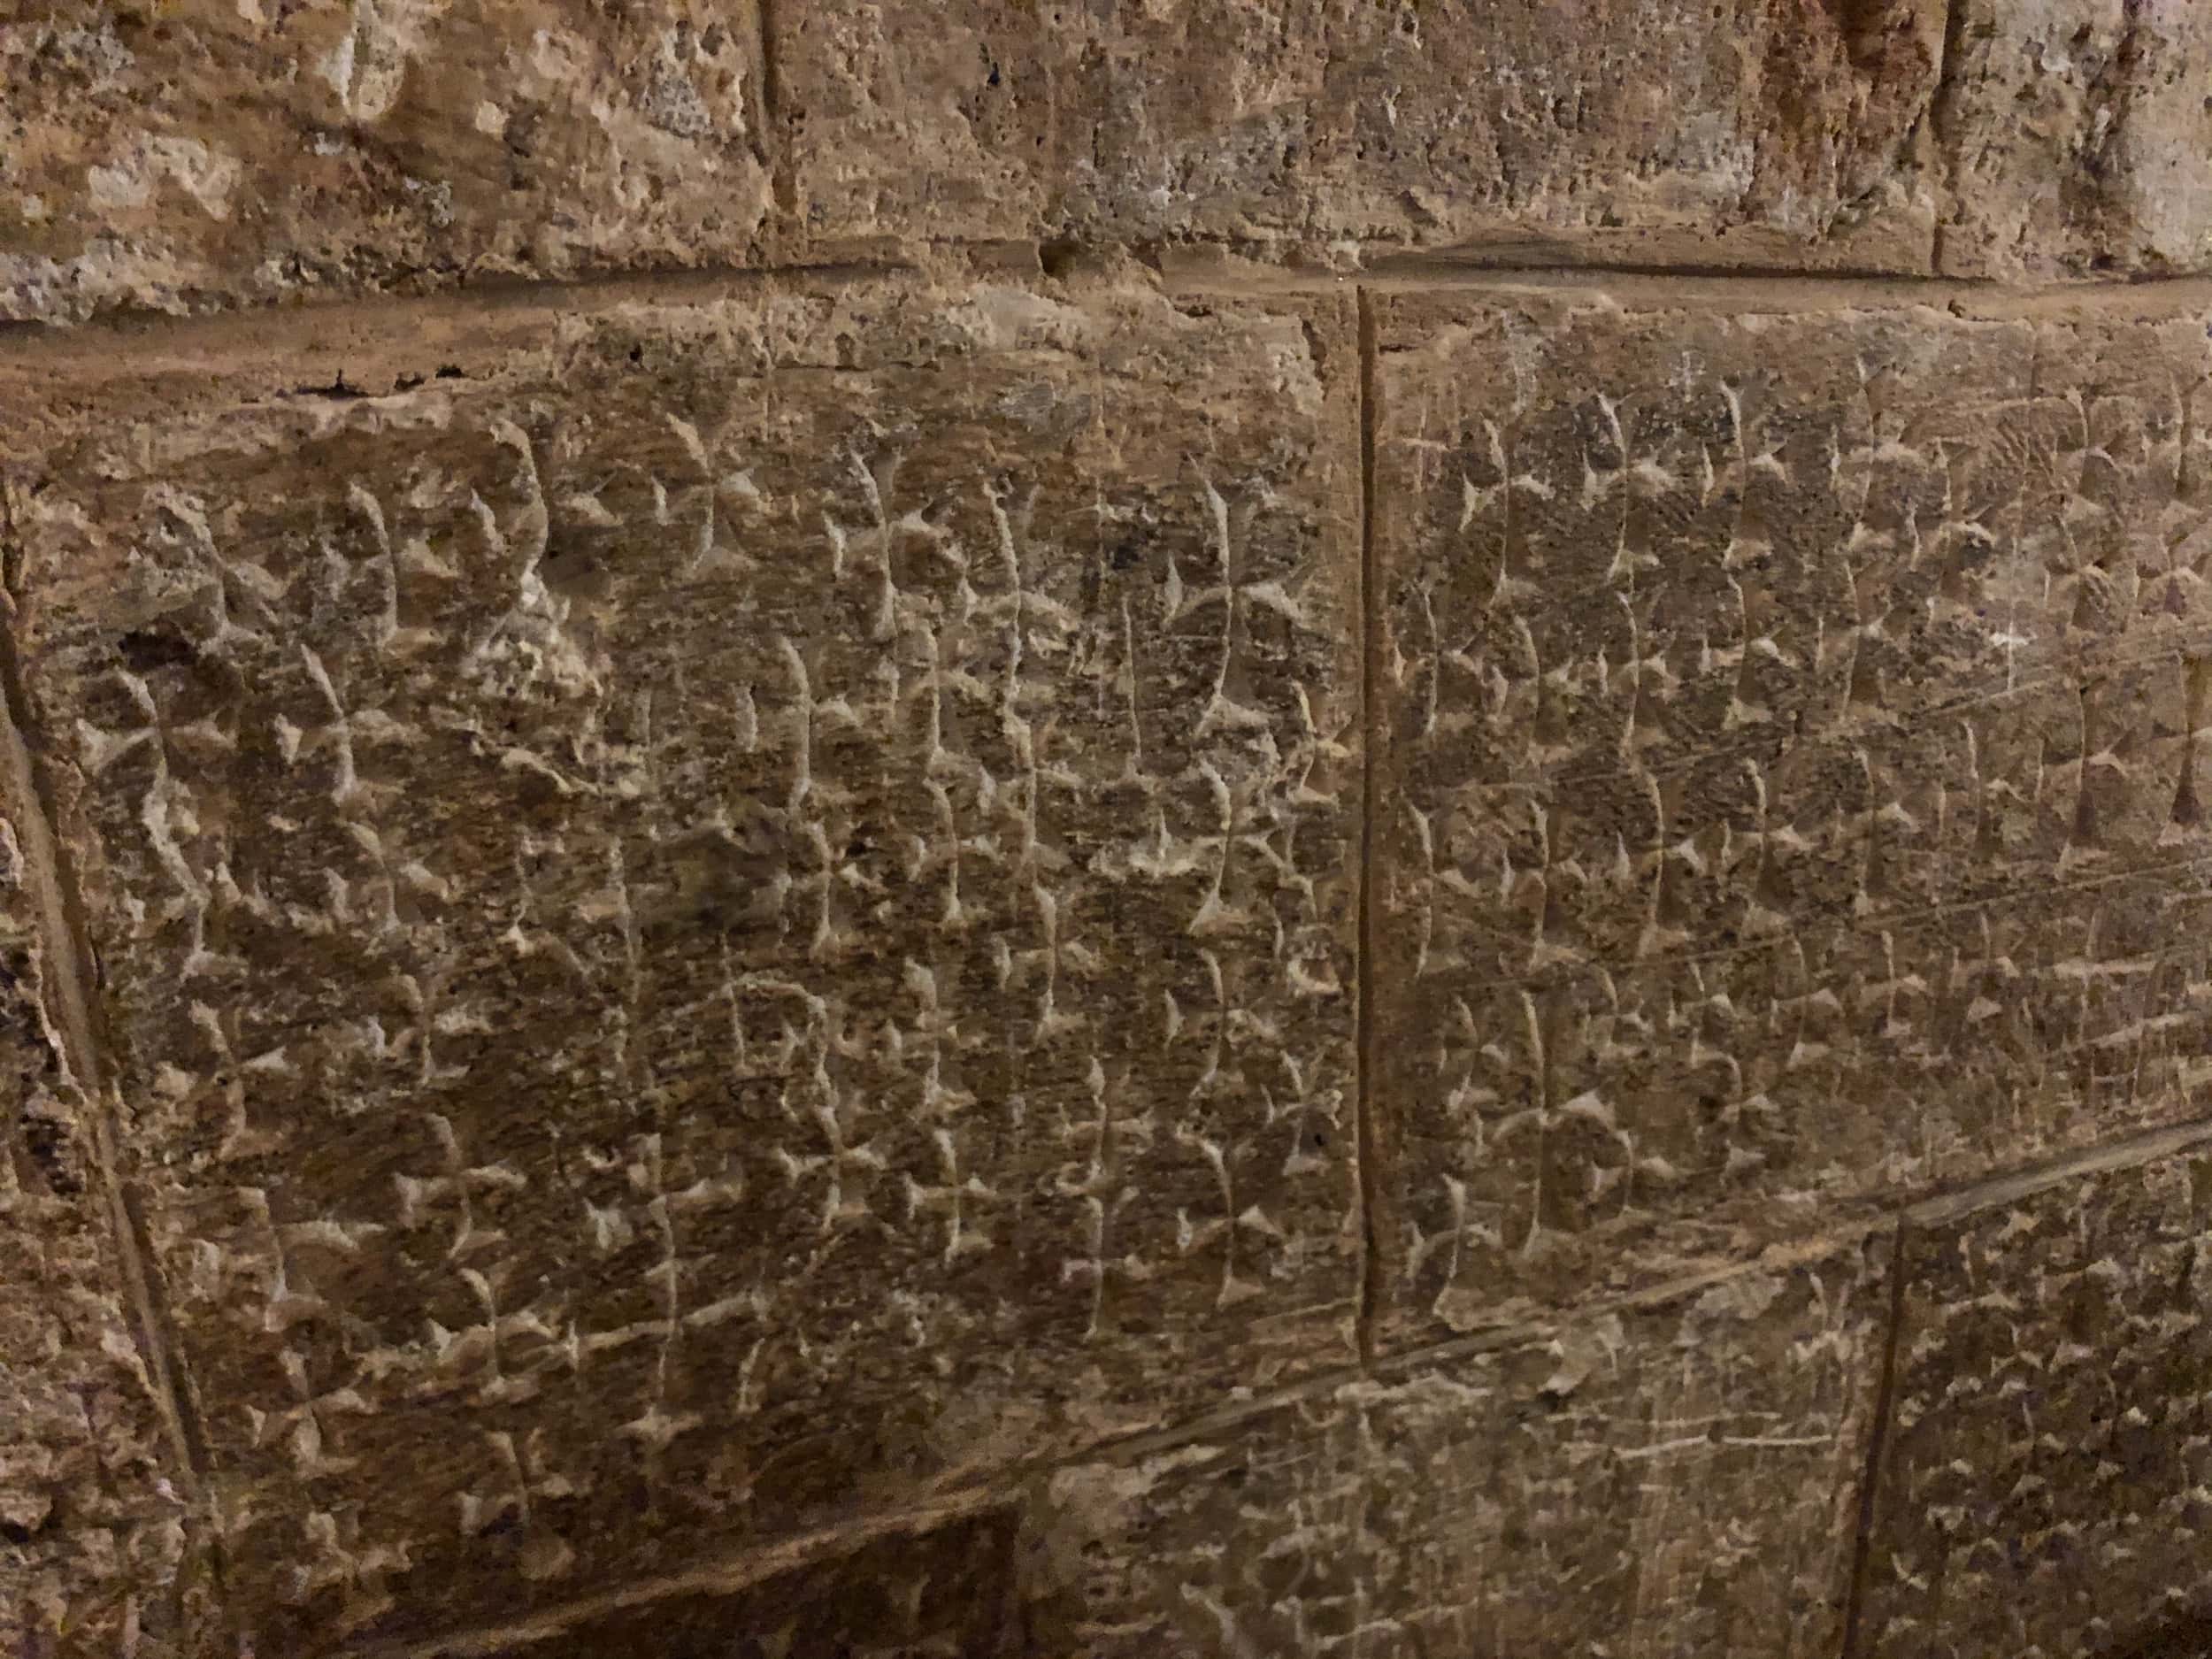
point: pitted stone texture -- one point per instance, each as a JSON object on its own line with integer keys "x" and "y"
{"x": 744, "y": 912}
{"x": 1754, "y": 131}
{"x": 1677, "y": 1481}
{"x": 2046, "y": 1481}
{"x": 946, "y": 1592}
{"x": 92, "y": 1528}
{"x": 2077, "y": 138}
{"x": 207, "y": 151}
{"x": 1794, "y": 791}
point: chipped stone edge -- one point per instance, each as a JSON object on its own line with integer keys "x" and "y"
{"x": 69, "y": 995}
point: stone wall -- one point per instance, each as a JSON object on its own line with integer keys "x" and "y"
{"x": 1245, "y": 827}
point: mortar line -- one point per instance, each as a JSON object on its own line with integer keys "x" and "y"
{"x": 738, "y": 1568}
{"x": 1374, "y": 1262}
{"x": 1876, "y": 1444}
{"x": 1015, "y": 1481}
{"x": 2133, "y": 1151}
{"x": 1681, "y": 288}
{"x": 70, "y": 990}
{"x": 319, "y": 322}
{"x": 1781, "y": 289}
{"x": 1398, "y": 259}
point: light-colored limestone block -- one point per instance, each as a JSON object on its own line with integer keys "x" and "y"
{"x": 1752, "y": 132}
{"x": 2077, "y": 138}
{"x": 195, "y": 153}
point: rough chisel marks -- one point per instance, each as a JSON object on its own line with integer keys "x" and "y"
{"x": 94, "y": 1554}
{"x": 2076, "y": 138}
{"x": 1736, "y": 132}
{"x": 748, "y": 911}
{"x": 2048, "y": 1474}
{"x": 205, "y": 152}
{"x": 1670, "y": 1482}
{"x": 1794, "y": 781}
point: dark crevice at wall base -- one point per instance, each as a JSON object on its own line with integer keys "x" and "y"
{"x": 2187, "y": 1637}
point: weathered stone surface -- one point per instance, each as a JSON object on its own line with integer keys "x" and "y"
{"x": 1793, "y": 789}
{"x": 1751, "y": 131}
{"x": 740, "y": 911}
{"x": 2077, "y": 138}
{"x": 92, "y": 1529}
{"x": 204, "y": 151}
{"x": 1670, "y": 1481}
{"x": 947, "y": 1592}
{"x": 2047, "y": 1480}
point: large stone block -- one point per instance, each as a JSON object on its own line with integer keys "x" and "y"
{"x": 948, "y": 1591}
{"x": 1678, "y": 1480}
{"x": 1748, "y": 132}
{"x": 2047, "y": 1478}
{"x": 206, "y": 151}
{"x": 94, "y": 1507}
{"x": 739, "y": 908}
{"x": 1794, "y": 782}
{"x": 2077, "y": 138}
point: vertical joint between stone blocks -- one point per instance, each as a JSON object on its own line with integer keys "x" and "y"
{"x": 774, "y": 151}
{"x": 1876, "y": 1443}
{"x": 1940, "y": 127}
{"x": 1373, "y": 1266}
{"x": 52, "y": 882}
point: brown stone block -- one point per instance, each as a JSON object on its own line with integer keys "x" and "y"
{"x": 202, "y": 152}
{"x": 1794, "y": 775}
{"x": 2077, "y": 138}
{"x": 1747, "y": 133}
{"x": 949, "y": 1590}
{"x": 2045, "y": 1482}
{"x": 96, "y": 1551}
{"x": 741, "y": 912}
{"x": 1671, "y": 1480}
